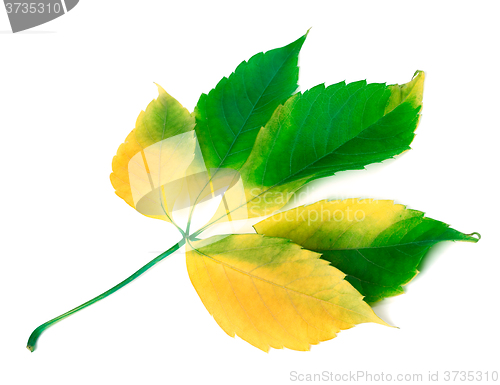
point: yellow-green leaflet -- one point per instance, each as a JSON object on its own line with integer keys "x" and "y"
{"x": 378, "y": 244}
{"x": 161, "y": 149}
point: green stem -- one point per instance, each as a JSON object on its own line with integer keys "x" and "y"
{"x": 39, "y": 330}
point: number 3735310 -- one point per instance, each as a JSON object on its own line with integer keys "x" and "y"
{"x": 33, "y": 8}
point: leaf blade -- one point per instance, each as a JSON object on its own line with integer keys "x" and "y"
{"x": 327, "y": 130}
{"x": 229, "y": 117}
{"x": 272, "y": 293}
{"x": 163, "y": 118}
{"x": 379, "y": 253}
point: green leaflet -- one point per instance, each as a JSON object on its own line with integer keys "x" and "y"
{"x": 379, "y": 245}
{"x": 230, "y": 116}
{"x": 327, "y": 130}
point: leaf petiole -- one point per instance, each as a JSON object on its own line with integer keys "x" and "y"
{"x": 40, "y": 329}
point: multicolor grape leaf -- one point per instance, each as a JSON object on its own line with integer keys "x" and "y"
{"x": 272, "y": 293}
{"x": 253, "y": 142}
{"x": 378, "y": 244}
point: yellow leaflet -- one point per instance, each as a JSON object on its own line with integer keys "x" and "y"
{"x": 272, "y": 293}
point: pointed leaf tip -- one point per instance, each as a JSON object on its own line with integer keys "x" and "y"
{"x": 410, "y": 93}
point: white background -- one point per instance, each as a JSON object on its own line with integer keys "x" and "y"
{"x": 70, "y": 92}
